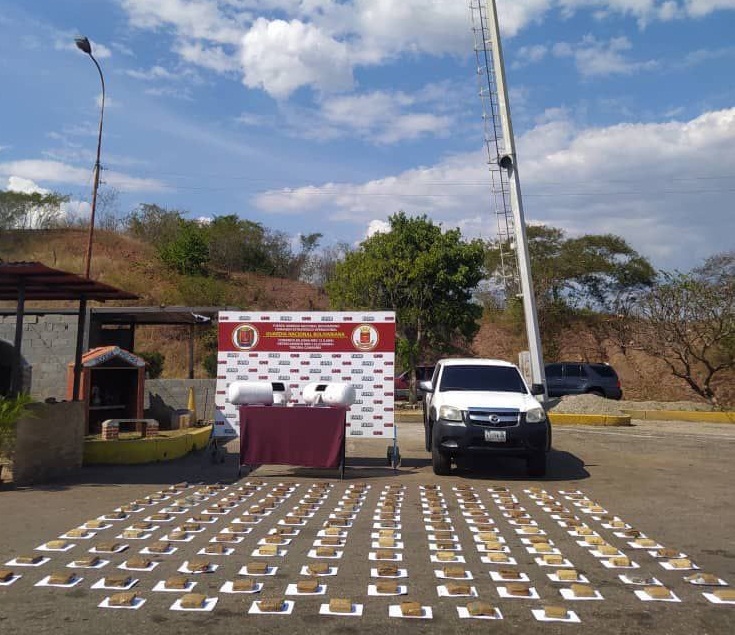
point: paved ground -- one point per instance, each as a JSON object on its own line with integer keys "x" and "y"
{"x": 671, "y": 481}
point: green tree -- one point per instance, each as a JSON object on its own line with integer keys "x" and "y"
{"x": 19, "y": 210}
{"x": 594, "y": 272}
{"x": 154, "y": 224}
{"x": 426, "y": 275}
{"x": 188, "y": 252}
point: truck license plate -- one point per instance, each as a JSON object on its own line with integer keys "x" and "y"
{"x": 496, "y": 436}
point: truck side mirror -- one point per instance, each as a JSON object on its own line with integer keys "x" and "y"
{"x": 426, "y": 386}
{"x": 537, "y": 389}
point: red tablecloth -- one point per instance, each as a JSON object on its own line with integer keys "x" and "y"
{"x": 295, "y": 435}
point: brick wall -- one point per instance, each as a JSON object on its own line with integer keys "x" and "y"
{"x": 48, "y": 346}
{"x": 49, "y": 443}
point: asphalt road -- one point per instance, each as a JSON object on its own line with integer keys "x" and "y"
{"x": 671, "y": 481}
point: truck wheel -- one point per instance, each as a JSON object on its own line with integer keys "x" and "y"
{"x": 440, "y": 461}
{"x": 536, "y": 464}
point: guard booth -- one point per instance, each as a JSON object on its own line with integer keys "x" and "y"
{"x": 112, "y": 386}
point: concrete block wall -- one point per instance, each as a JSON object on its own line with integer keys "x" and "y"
{"x": 49, "y": 443}
{"x": 164, "y": 396}
{"x": 49, "y": 343}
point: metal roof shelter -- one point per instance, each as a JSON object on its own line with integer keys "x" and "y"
{"x": 27, "y": 281}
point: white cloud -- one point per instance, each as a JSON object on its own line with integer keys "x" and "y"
{"x": 594, "y": 58}
{"x": 154, "y": 73}
{"x": 70, "y": 210}
{"x": 530, "y": 55}
{"x": 628, "y": 179}
{"x": 280, "y": 57}
{"x": 383, "y": 117}
{"x": 377, "y": 226}
{"x": 57, "y": 172}
{"x": 24, "y": 186}
{"x": 280, "y": 46}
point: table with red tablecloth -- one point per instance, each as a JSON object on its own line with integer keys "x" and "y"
{"x": 307, "y": 436}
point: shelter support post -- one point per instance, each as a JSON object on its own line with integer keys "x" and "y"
{"x": 16, "y": 378}
{"x": 79, "y": 345}
{"x": 191, "y": 351}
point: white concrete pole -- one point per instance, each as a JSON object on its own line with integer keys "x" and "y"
{"x": 509, "y": 163}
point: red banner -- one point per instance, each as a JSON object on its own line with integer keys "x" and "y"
{"x": 338, "y": 337}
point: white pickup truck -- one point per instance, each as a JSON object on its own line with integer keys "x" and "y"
{"x": 483, "y": 406}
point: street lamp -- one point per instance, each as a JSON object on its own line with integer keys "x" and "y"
{"x": 84, "y": 45}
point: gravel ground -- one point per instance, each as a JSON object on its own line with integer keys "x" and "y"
{"x": 592, "y": 404}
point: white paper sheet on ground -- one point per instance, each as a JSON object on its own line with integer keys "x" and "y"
{"x": 379, "y": 525}
{"x": 15, "y": 563}
{"x": 150, "y": 519}
{"x": 330, "y": 571}
{"x": 279, "y": 553}
{"x": 433, "y": 538}
{"x": 711, "y": 597}
{"x": 292, "y": 589}
{"x": 285, "y": 541}
{"x": 599, "y": 554}
{"x": 270, "y": 571}
{"x": 568, "y": 594}
{"x": 45, "y": 582}
{"x": 435, "y": 547}
{"x": 203, "y": 552}
{"x": 231, "y": 541}
{"x": 642, "y": 595}
{"x": 509, "y": 561}
{"x": 397, "y": 545}
{"x": 189, "y": 538}
{"x": 496, "y": 577}
{"x": 136, "y": 604}
{"x": 322, "y": 534}
{"x": 373, "y": 590}
{"x": 150, "y": 567}
{"x": 161, "y": 586}
{"x": 456, "y": 560}
{"x": 538, "y": 532}
{"x": 228, "y": 587}
{"x": 668, "y": 566}
{"x": 396, "y": 557}
{"x": 582, "y": 579}
{"x": 540, "y": 615}
{"x": 73, "y": 565}
{"x": 443, "y": 592}
{"x": 184, "y": 568}
{"x": 565, "y": 564}
{"x": 432, "y": 528}
{"x": 609, "y": 565}
{"x": 89, "y": 536}
{"x": 394, "y": 610}
{"x": 475, "y": 529}
{"x": 402, "y": 573}
{"x": 312, "y": 554}
{"x": 642, "y": 582}
{"x": 11, "y": 579}
{"x": 464, "y": 614}
{"x": 113, "y": 520}
{"x": 719, "y": 582}
{"x": 533, "y": 594}
{"x": 100, "y": 584}
{"x": 168, "y": 552}
{"x": 552, "y": 552}
{"x": 62, "y": 550}
{"x": 529, "y": 542}
{"x": 207, "y": 606}
{"x": 622, "y": 534}
{"x": 396, "y": 535}
{"x": 287, "y": 609}
{"x": 356, "y": 611}
{"x": 439, "y": 573}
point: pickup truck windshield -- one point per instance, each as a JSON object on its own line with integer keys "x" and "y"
{"x": 497, "y": 378}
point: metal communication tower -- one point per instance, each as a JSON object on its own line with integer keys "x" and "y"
{"x": 496, "y": 148}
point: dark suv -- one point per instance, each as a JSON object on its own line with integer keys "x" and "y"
{"x": 577, "y": 378}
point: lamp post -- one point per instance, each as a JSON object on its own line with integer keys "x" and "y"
{"x": 84, "y": 45}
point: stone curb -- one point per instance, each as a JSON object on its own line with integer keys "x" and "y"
{"x": 683, "y": 415}
{"x": 130, "y": 452}
{"x": 563, "y": 419}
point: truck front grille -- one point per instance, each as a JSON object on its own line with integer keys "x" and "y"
{"x": 494, "y": 417}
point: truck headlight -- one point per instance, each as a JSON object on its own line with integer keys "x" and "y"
{"x": 535, "y": 415}
{"x": 450, "y": 413}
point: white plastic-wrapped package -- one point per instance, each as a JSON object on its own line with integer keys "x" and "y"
{"x": 243, "y": 393}
{"x": 313, "y": 393}
{"x": 281, "y": 393}
{"x": 339, "y": 394}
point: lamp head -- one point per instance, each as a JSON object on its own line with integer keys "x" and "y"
{"x": 506, "y": 162}
{"x": 83, "y": 44}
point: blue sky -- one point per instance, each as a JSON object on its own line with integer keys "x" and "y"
{"x": 325, "y": 115}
